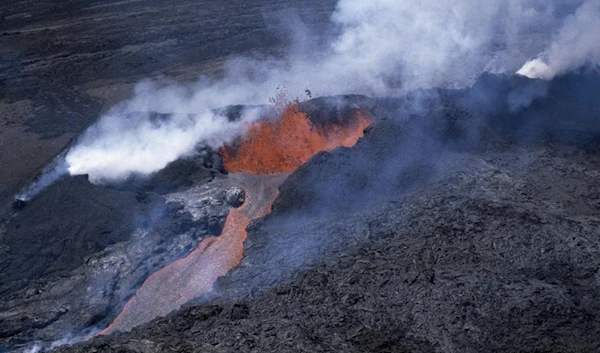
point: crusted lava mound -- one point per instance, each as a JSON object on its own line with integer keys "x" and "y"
{"x": 463, "y": 221}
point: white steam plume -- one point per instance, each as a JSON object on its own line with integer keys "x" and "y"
{"x": 576, "y": 44}
{"x": 50, "y": 174}
{"x": 382, "y": 47}
{"x": 141, "y": 143}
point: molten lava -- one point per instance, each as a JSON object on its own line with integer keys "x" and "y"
{"x": 261, "y": 161}
{"x": 284, "y": 145}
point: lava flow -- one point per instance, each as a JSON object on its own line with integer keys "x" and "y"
{"x": 284, "y": 145}
{"x": 262, "y": 160}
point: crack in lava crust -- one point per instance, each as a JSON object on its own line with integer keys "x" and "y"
{"x": 259, "y": 164}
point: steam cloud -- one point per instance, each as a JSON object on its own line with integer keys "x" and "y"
{"x": 51, "y": 173}
{"x": 117, "y": 147}
{"x": 576, "y": 44}
{"x": 382, "y": 47}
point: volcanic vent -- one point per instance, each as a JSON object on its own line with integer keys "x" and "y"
{"x": 259, "y": 163}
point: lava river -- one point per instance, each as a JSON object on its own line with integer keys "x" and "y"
{"x": 259, "y": 163}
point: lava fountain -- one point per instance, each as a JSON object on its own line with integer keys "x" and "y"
{"x": 267, "y": 154}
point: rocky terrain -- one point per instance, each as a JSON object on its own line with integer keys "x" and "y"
{"x": 476, "y": 236}
{"x": 485, "y": 259}
{"x": 463, "y": 221}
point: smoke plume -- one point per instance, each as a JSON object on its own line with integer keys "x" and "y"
{"x": 50, "y": 174}
{"x": 575, "y": 45}
{"x": 378, "y": 47}
{"x": 118, "y": 146}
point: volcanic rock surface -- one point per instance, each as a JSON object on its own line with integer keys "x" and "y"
{"x": 458, "y": 229}
{"x": 464, "y": 220}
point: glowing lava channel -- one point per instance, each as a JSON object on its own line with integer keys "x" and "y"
{"x": 263, "y": 159}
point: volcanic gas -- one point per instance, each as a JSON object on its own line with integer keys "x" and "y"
{"x": 269, "y": 151}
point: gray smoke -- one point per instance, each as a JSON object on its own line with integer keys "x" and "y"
{"x": 382, "y": 47}
{"x": 50, "y": 174}
{"x": 577, "y": 43}
{"x": 68, "y": 340}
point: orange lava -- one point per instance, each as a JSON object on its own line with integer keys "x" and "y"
{"x": 284, "y": 145}
{"x": 262, "y": 160}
